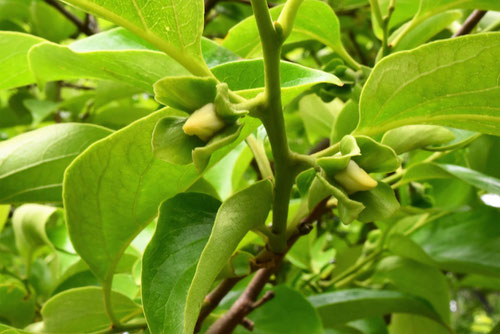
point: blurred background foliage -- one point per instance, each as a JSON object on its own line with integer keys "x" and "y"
{"x": 318, "y": 260}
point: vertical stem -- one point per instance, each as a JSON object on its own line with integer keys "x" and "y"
{"x": 271, "y": 116}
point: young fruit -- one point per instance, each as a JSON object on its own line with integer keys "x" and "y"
{"x": 355, "y": 179}
{"x": 204, "y": 123}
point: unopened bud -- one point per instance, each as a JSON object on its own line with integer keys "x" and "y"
{"x": 204, "y": 123}
{"x": 355, "y": 179}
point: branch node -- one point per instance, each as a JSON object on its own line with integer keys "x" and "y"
{"x": 248, "y": 324}
{"x": 267, "y": 297}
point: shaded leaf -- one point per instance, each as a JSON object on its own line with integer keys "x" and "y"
{"x": 169, "y": 262}
{"x": 336, "y": 308}
{"x": 237, "y": 215}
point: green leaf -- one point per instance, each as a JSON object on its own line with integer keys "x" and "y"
{"x": 115, "y": 55}
{"x": 32, "y": 164}
{"x": 247, "y": 78}
{"x": 287, "y": 312}
{"x": 315, "y": 20}
{"x": 426, "y": 30}
{"x": 48, "y": 22}
{"x": 40, "y": 110}
{"x": 237, "y": 215}
{"x": 4, "y": 215}
{"x": 4, "y": 329}
{"x": 430, "y": 170}
{"x": 455, "y": 84}
{"x": 412, "y": 137}
{"x": 17, "y": 307}
{"x": 81, "y": 310}
{"x": 317, "y": 116}
{"x": 346, "y": 121}
{"x": 29, "y": 222}
{"x": 185, "y": 93}
{"x": 416, "y": 279}
{"x": 14, "y": 65}
{"x": 171, "y": 143}
{"x": 403, "y": 246}
{"x": 175, "y": 28}
{"x": 464, "y": 242}
{"x": 169, "y": 262}
{"x": 116, "y": 187}
{"x": 375, "y": 157}
{"x": 380, "y": 203}
{"x": 339, "y": 307}
{"x": 349, "y": 209}
{"x": 430, "y": 8}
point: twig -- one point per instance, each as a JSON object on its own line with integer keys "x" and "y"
{"x": 245, "y": 304}
{"x": 470, "y": 23}
{"x": 213, "y": 299}
{"x": 87, "y": 27}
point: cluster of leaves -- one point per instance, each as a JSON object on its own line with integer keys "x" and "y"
{"x": 121, "y": 210}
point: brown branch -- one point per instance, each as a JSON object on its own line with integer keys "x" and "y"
{"x": 248, "y": 301}
{"x": 245, "y": 304}
{"x": 213, "y": 299}
{"x": 88, "y": 28}
{"x": 470, "y": 23}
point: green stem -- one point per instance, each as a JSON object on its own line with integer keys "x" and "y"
{"x": 287, "y": 17}
{"x": 271, "y": 115}
{"x": 107, "y": 302}
{"x": 327, "y": 151}
{"x": 377, "y": 13}
{"x": 260, "y": 156}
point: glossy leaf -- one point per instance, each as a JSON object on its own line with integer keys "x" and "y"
{"x": 411, "y": 137}
{"x": 339, "y": 307}
{"x": 380, "y": 203}
{"x": 464, "y": 242}
{"x": 177, "y": 31}
{"x": 115, "y": 55}
{"x": 237, "y": 215}
{"x": 81, "y": 310}
{"x": 32, "y": 164}
{"x": 315, "y": 20}
{"x": 426, "y": 171}
{"x": 14, "y": 65}
{"x": 184, "y": 225}
{"x": 247, "y": 78}
{"x": 455, "y": 84}
{"x": 116, "y": 186}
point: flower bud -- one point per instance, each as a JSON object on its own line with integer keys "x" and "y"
{"x": 204, "y": 123}
{"x": 355, "y": 179}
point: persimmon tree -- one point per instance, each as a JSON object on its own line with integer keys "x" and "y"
{"x": 185, "y": 166}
